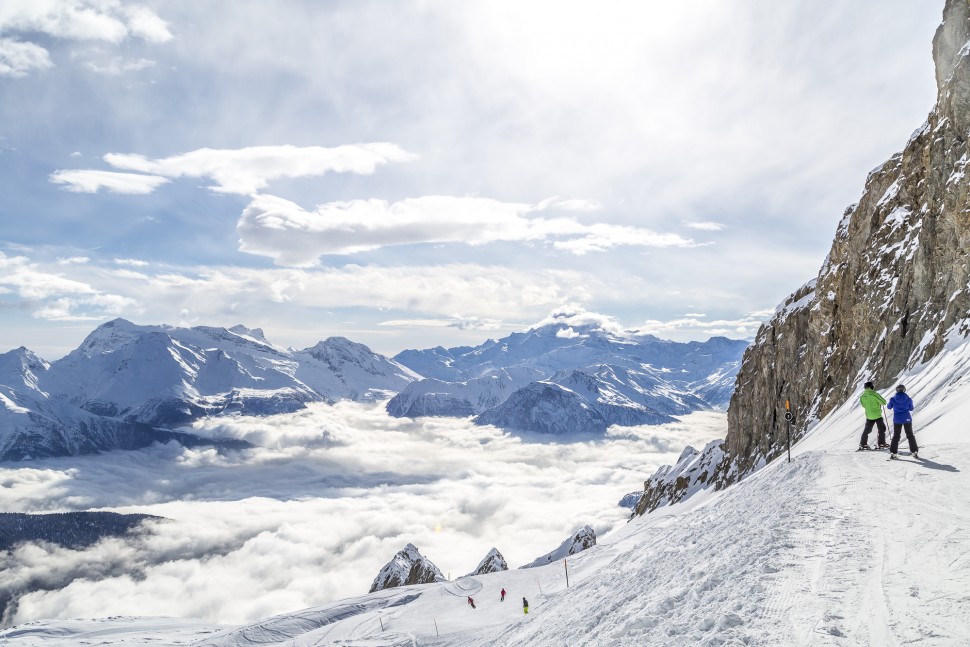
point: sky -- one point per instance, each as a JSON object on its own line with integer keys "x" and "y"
{"x": 314, "y": 512}
{"x": 435, "y": 172}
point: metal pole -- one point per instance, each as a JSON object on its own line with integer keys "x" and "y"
{"x": 382, "y": 624}
{"x": 436, "y": 627}
{"x": 789, "y": 416}
{"x": 567, "y": 572}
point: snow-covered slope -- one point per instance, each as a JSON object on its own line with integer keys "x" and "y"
{"x": 605, "y": 376}
{"x": 836, "y": 548}
{"x": 125, "y": 379}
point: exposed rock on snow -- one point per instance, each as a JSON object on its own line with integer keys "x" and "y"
{"x": 583, "y": 539}
{"x": 493, "y": 563}
{"x": 690, "y": 474}
{"x": 630, "y": 500}
{"x": 894, "y": 287}
{"x": 408, "y": 567}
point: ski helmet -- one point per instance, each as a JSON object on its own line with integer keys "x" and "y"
{"x": 868, "y": 385}
{"x": 900, "y": 389}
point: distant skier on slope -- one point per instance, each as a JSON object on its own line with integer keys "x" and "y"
{"x": 471, "y": 602}
{"x": 872, "y": 402}
{"x": 525, "y": 606}
{"x": 902, "y": 405}
{"x": 503, "y": 596}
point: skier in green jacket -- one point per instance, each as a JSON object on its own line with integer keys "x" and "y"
{"x": 872, "y": 402}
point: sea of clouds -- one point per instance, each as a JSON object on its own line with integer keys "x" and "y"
{"x": 311, "y": 515}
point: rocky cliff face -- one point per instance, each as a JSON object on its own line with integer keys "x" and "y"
{"x": 493, "y": 563}
{"x": 892, "y": 290}
{"x": 408, "y": 567}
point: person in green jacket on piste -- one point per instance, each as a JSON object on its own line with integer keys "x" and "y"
{"x": 872, "y": 402}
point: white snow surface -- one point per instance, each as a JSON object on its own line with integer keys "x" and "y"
{"x": 835, "y": 548}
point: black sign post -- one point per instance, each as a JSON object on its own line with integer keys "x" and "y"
{"x": 790, "y": 417}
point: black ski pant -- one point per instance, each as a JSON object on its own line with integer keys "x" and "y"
{"x": 880, "y": 424}
{"x": 897, "y": 428}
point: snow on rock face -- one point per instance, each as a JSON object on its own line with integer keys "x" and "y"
{"x": 408, "y": 567}
{"x": 433, "y": 397}
{"x": 583, "y": 539}
{"x": 630, "y": 500}
{"x": 125, "y": 379}
{"x": 894, "y": 286}
{"x": 693, "y": 472}
{"x": 493, "y": 563}
{"x": 590, "y": 401}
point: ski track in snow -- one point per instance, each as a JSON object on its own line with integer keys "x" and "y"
{"x": 837, "y": 548}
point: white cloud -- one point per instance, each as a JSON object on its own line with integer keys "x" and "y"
{"x": 457, "y": 321}
{"x": 274, "y": 227}
{"x": 570, "y": 315}
{"x": 18, "y": 58}
{"x": 118, "y": 66}
{"x": 146, "y": 24}
{"x": 82, "y": 20}
{"x": 312, "y": 515}
{"x": 73, "y": 260}
{"x": 78, "y": 20}
{"x": 90, "y": 308}
{"x": 567, "y": 333}
{"x": 55, "y": 297}
{"x": 603, "y": 237}
{"x": 131, "y": 262}
{"x": 247, "y": 170}
{"x": 696, "y": 326}
{"x": 706, "y": 226}
{"x": 84, "y": 181}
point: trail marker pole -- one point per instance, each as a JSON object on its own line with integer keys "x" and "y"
{"x": 382, "y": 623}
{"x": 540, "y": 585}
{"x": 436, "y": 627}
{"x": 567, "y": 572}
{"x": 790, "y": 417}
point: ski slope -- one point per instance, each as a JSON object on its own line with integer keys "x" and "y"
{"x": 836, "y": 548}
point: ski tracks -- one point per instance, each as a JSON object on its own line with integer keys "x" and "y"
{"x": 894, "y": 539}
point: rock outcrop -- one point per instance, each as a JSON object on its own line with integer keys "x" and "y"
{"x": 493, "y": 563}
{"x": 892, "y": 291}
{"x": 583, "y": 539}
{"x": 408, "y": 567}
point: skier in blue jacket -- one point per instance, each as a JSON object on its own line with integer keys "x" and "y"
{"x": 902, "y": 406}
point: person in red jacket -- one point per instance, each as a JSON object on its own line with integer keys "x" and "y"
{"x": 503, "y": 596}
{"x": 471, "y": 602}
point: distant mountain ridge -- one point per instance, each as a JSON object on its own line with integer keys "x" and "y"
{"x": 127, "y": 386}
{"x": 570, "y": 374}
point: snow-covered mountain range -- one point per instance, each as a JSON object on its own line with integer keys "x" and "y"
{"x": 571, "y": 374}
{"x": 127, "y": 385}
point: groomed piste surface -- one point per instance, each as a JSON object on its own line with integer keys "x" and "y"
{"x": 836, "y": 548}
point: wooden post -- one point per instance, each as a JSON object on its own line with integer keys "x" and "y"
{"x": 567, "y": 572}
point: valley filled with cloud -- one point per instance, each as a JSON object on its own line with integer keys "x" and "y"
{"x": 310, "y": 515}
